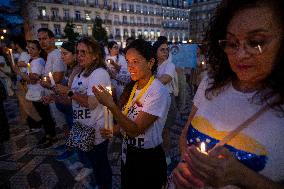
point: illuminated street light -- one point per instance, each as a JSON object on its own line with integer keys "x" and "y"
{"x": 4, "y": 31}
{"x": 2, "y": 37}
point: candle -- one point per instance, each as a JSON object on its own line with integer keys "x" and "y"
{"x": 106, "y": 117}
{"x": 44, "y": 79}
{"x": 51, "y": 79}
{"x": 203, "y": 148}
{"x": 110, "y": 116}
{"x": 12, "y": 57}
{"x": 29, "y": 68}
{"x": 108, "y": 61}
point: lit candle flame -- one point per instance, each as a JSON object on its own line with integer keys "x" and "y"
{"x": 109, "y": 89}
{"x": 44, "y": 78}
{"x": 202, "y": 62}
{"x": 203, "y": 147}
{"x": 108, "y": 61}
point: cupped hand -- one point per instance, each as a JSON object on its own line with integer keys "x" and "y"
{"x": 45, "y": 82}
{"x": 103, "y": 96}
{"x": 47, "y": 99}
{"x": 61, "y": 89}
{"x": 106, "y": 133}
{"x": 184, "y": 179}
{"x": 218, "y": 168}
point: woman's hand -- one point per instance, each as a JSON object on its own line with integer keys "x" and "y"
{"x": 47, "y": 99}
{"x": 61, "y": 89}
{"x": 184, "y": 179}
{"x": 45, "y": 82}
{"x": 103, "y": 96}
{"x": 218, "y": 168}
{"x": 106, "y": 133}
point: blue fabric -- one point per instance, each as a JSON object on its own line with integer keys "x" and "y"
{"x": 67, "y": 110}
{"x": 100, "y": 164}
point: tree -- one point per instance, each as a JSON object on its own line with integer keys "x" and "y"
{"x": 69, "y": 32}
{"x": 99, "y": 33}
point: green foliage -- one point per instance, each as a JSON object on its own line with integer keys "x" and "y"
{"x": 99, "y": 33}
{"x": 70, "y": 34}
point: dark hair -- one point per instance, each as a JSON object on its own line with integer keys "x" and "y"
{"x": 162, "y": 38}
{"x": 48, "y": 31}
{"x": 146, "y": 50}
{"x": 129, "y": 40}
{"x": 42, "y": 53}
{"x": 20, "y": 41}
{"x": 69, "y": 46}
{"x": 220, "y": 70}
{"x": 96, "y": 49}
{"x": 157, "y": 44}
{"x": 111, "y": 44}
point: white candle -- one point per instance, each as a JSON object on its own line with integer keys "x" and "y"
{"x": 110, "y": 116}
{"x": 203, "y": 148}
{"x": 108, "y": 61}
{"x": 51, "y": 79}
{"x": 44, "y": 79}
{"x": 12, "y": 57}
{"x": 106, "y": 117}
{"x": 29, "y": 68}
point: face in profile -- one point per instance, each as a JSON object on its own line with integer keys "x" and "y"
{"x": 67, "y": 56}
{"x": 257, "y": 34}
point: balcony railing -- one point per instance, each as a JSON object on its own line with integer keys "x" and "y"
{"x": 44, "y": 18}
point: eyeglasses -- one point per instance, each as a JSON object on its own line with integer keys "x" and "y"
{"x": 252, "y": 47}
{"x": 82, "y": 53}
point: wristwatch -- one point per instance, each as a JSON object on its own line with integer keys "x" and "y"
{"x": 70, "y": 93}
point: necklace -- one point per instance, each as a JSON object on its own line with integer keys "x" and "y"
{"x": 130, "y": 102}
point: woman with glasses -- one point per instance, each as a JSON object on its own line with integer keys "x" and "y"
{"x": 145, "y": 103}
{"x": 117, "y": 68}
{"x": 242, "y": 99}
{"x": 87, "y": 111}
{"x": 167, "y": 75}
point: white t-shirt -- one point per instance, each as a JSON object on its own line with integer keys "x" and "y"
{"x": 259, "y": 146}
{"x": 37, "y": 66}
{"x": 86, "y": 116}
{"x": 25, "y": 57}
{"x": 156, "y": 101}
{"x": 54, "y": 63}
{"x": 169, "y": 68}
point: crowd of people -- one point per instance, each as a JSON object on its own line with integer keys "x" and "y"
{"x": 237, "y": 112}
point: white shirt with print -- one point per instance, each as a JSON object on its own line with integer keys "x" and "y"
{"x": 37, "y": 66}
{"x": 264, "y": 137}
{"x": 169, "y": 68}
{"x": 24, "y": 57}
{"x": 156, "y": 101}
{"x": 84, "y": 115}
{"x": 54, "y": 62}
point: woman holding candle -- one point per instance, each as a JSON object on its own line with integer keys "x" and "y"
{"x": 87, "y": 111}
{"x": 145, "y": 105}
{"x": 244, "y": 49}
{"x": 166, "y": 73}
{"x": 35, "y": 90}
{"x": 117, "y": 68}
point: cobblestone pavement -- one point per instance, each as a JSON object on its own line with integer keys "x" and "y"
{"x": 24, "y": 166}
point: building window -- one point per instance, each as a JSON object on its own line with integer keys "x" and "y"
{"x": 152, "y": 21}
{"x": 57, "y": 30}
{"x": 133, "y": 33}
{"x": 87, "y": 15}
{"x": 117, "y": 31}
{"x": 139, "y": 20}
{"x": 125, "y": 32}
{"x": 146, "y": 34}
{"x": 105, "y": 3}
{"x": 42, "y": 11}
{"x": 124, "y": 19}
{"x": 90, "y": 30}
{"x": 54, "y": 12}
{"x": 139, "y": 32}
{"x": 146, "y": 20}
{"x": 138, "y": 8}
{"x": 79, "y": 29}
{"x": 66, "y": 13}
{"x": 132, "y": 19}
{"x": 77, "y": 15}
{"x": 145, "y": 10}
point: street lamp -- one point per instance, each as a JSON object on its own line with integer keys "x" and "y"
{"x": 2, "y": 37}
{"x": 4, "y": 31}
